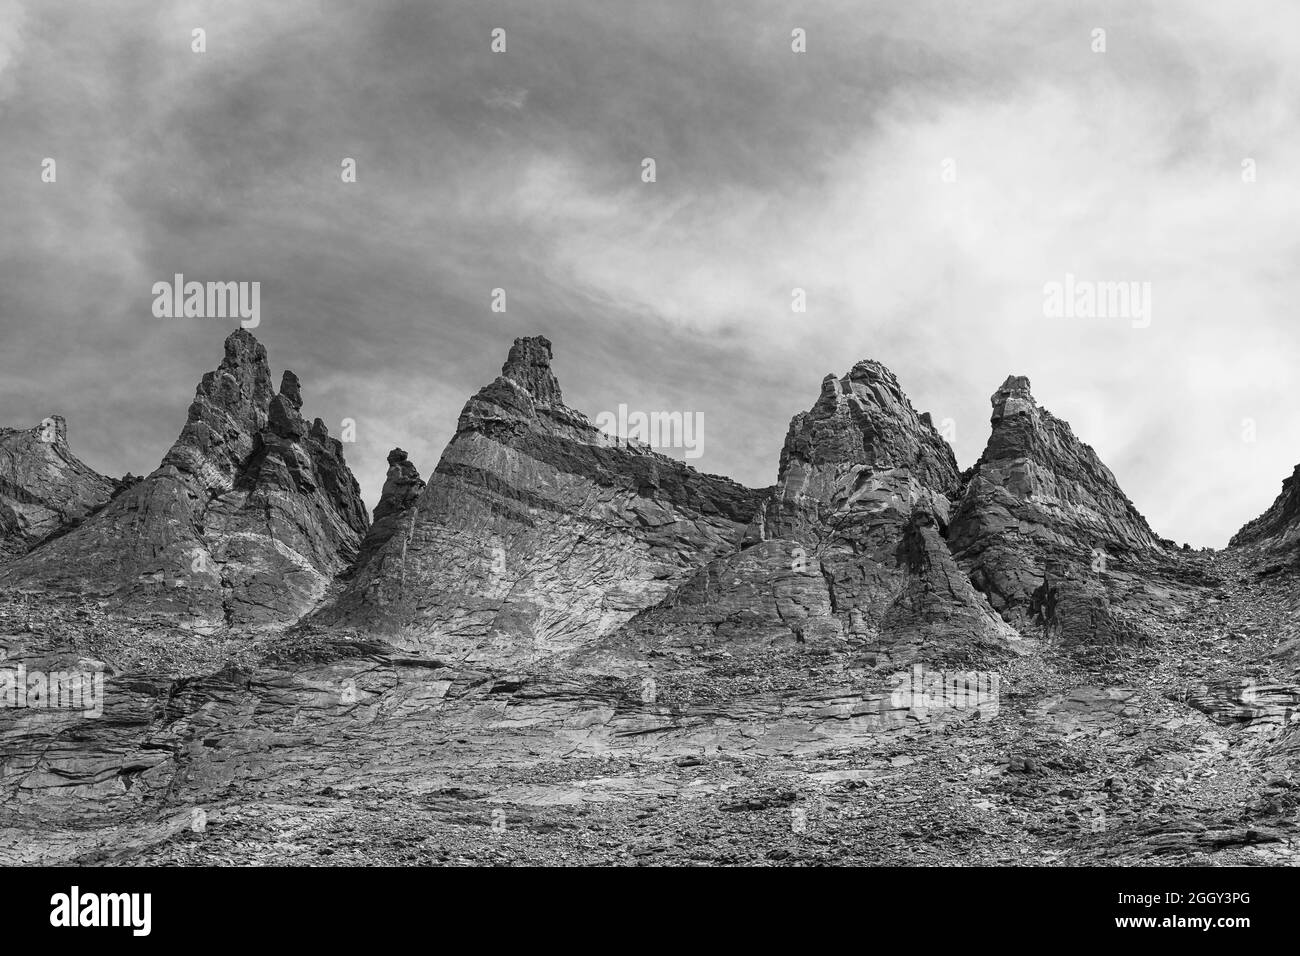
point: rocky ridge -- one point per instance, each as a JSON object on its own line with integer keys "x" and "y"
{"x": 696, "y": 673}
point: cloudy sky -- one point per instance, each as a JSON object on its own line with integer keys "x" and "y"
{"x": 921, "y": 171}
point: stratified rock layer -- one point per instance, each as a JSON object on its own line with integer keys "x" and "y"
{"x": 849, "y": 546}
{"x": 537, "y": 530}
{"x": 250, "y": 515}
{"x": 44, "y": 488}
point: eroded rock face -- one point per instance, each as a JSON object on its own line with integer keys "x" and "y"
{"x": 537, "y": 531}
{"x": 849, "y": 546}
{"x": 246, "y": 521}
{"x": 1036, "y": 496}
{"x": 44, "y": 487}
{"x": 1278, "y": 528}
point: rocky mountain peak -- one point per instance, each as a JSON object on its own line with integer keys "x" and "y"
{"x": 391, "y": 527}
{"x": 871, "y": 373}
{"x": 529, "y": 366}
{"x": 402, "y": 485}
{"x": 231, "y": 405}
{"x": 285, "y": 416}
{"x": 53, "y": 429}
{"x": 848, "y": 547}
{"x": 1062, "y": 466}
{"x": 535, "y": 531}
{"x": 242, "y": 382}
{"x": 1039, "y": 495}
{"x": 245, "y": 522}
{"x": 291, "y": 389}
{"x": 862, "y": 422}
{"x": 1013, "y": 398}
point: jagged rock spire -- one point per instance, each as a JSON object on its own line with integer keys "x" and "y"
{"x": 1039, "y": 495}
{"x": 861, "y": 423}
{"x": 392, "y": 520}
{"x": 529, "y": 366}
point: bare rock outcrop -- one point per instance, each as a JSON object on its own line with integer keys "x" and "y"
{"x": 1277, "y": 529}
{"x": 391, "y": 522}
{"x": 537, "y": 530}
{"x": 849, "y": 545}
{"x": 1040, "y": 497}
{"x": 249, "y": 517}
{"x": 44, "y": 487}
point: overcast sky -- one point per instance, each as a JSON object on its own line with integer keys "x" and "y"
{"x": 775, "y": 170}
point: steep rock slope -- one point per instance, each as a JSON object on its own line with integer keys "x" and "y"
{"x": 1278, "y": 528}
{"x": 849, "y": 546}
{"x": 250, "y": 515}
{"x": 1043, "y": 523}
{"x": 44, "y": 487}
{"x": 537, "y": 530}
